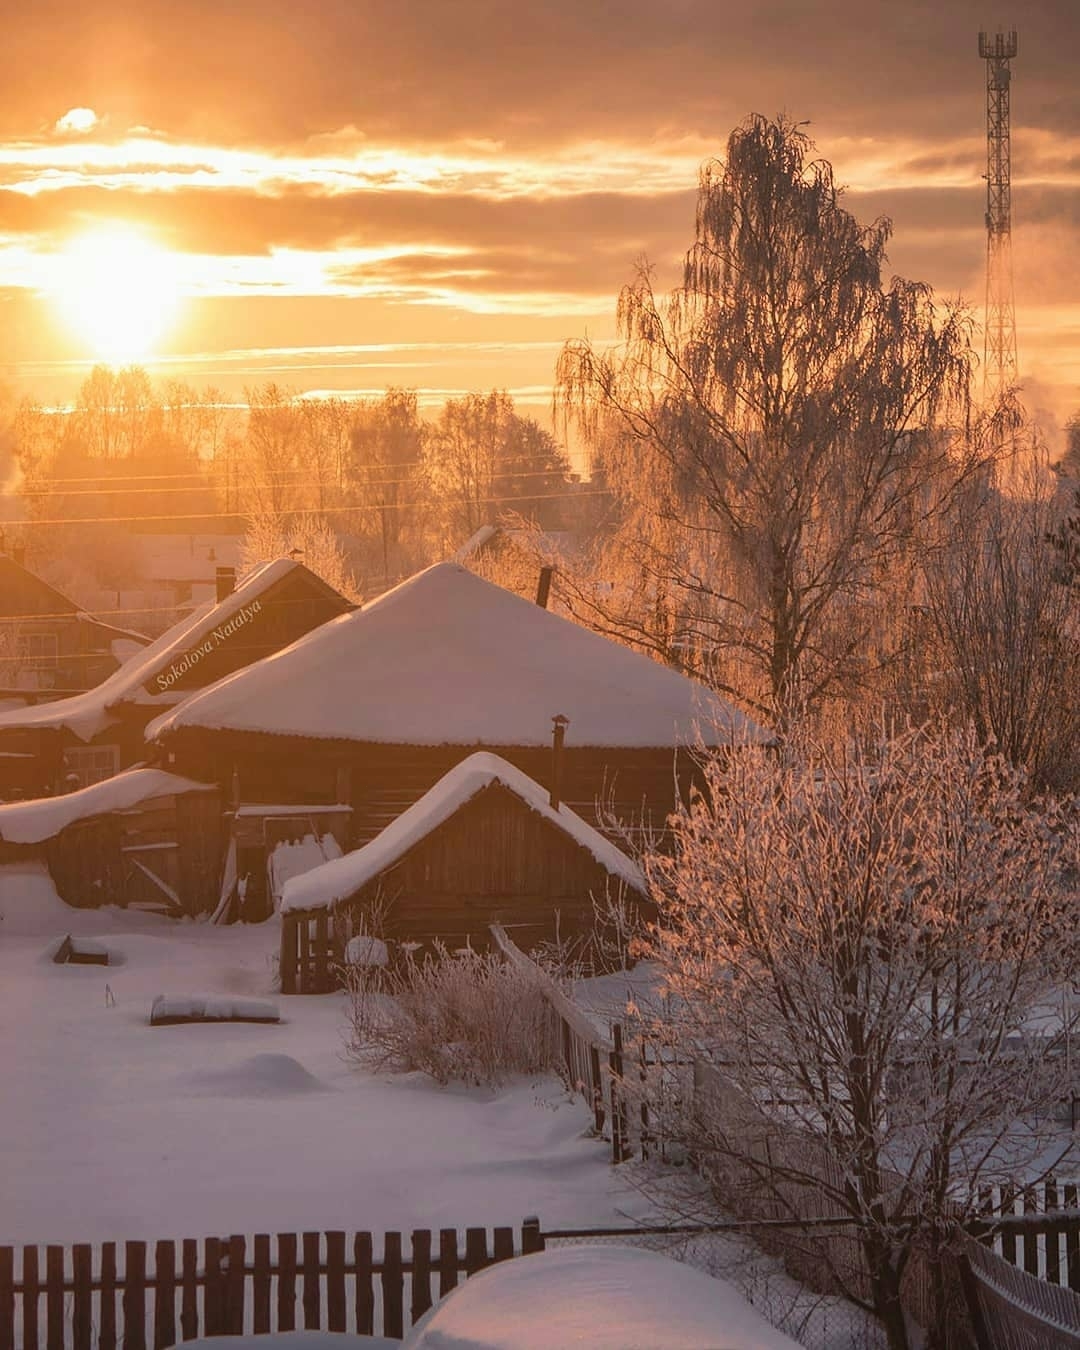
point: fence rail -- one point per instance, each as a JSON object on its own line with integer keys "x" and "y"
{"x": 230, "y": 1286}
{"x": 1014, "y": 1310}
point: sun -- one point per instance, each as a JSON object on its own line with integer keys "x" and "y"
{"x": 118, "y": 290}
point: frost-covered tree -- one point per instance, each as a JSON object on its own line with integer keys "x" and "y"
{"x": 872, "y": 948}
{"x": 776, "y": 431}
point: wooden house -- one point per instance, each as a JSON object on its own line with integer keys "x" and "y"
{"x": 91, "y": 736}
{"x": 48, "y": 645}
{"x": 372, "y": 709}
{"x": 485, "y": 845}
{"x": 144, "y": 838}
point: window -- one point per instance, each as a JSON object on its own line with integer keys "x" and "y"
{"x": 91, "y": 763}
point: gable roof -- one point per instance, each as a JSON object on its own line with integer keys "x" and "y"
{"x": 448, "y": 658}
{"x": 323, "y": 887}
{"x": 89, "y": 714}
{"x": 34, "y": 821}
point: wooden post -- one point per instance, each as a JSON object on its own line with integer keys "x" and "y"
{"x": 543, "y": 587}
{"x": 322, "y": 952}
{"x": 476, "y": 1253}
{"x": 82, "y": 1315}
{"x": 620, "y": 1146}
{"x": 312, "y": 1313}
{"x": 234, "y": 1285}
{"x": 559, "y": 723}
{"x": 393, "y": 1287}
{"x": 532, "y": 1239}
{"x": 54, "y": 1297}
{"x": 286, "y": 1289}
{"x": 30, "y": 1298}
{"x": 1072, "y": 1243}
{"x": 335, "y": 1281}
{"x": 213, "y": 1322}
{"x": 365, "y": 1294}
{"x": 164, "y": 1294}
{"x": 107, "y": 1333}
{"x": 134, "y": 1296}
{"x": 260, "y": 1284}
{"x": 420, "y": 1301}
{"x": 287, "y": 960}
{"x": 502, "y": 1244}
{"x": 597, "y": 1089}
{"x": 189, "y": 1289}
{"x": 7, "y": 1300}
{"x": 448, "y": 1260}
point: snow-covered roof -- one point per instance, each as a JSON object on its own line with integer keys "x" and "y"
{"x": 448, "y": 658}
{"x": 325, "y": 886}
{"x": 34, "y": 821}
{"x": 89, "y": 714}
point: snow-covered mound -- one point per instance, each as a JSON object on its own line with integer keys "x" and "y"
{"x": 605, "y": 1297}
{"x": 29, "y": 904}
{"x": 265, "y": 1075}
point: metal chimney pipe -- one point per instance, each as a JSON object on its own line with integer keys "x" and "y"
{"x": 226, "y": 582}
{"x": 559, "y": 723}
{"x": 543, "y": 588}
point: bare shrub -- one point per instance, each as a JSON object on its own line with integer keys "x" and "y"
{"x": 468, "y": 1016}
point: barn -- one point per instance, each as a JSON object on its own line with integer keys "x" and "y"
{"x": 88, "y": 737}
{"x": 485, "y": 845}
{"x": 372, "y": 709}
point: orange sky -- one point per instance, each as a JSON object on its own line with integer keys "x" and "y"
{"x": 354, "y": 193}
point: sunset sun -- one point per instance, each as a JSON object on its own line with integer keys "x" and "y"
{"x": 118, "y": 290}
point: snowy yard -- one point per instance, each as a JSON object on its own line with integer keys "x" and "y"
{"x": 114, "y": 1129}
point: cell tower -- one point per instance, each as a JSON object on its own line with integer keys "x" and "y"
{"x": 999, "y": 343}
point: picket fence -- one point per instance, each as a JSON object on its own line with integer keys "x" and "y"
{"x": 231, "y": 1286}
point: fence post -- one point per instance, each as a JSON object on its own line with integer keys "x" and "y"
{"x": 7, "y": 1298}
{"x": 532, "y": 1239}
{"x": 597, "y": 1089}
{"x": 620, "y": 1150}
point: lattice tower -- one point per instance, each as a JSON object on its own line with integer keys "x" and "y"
{"x": 999, "y": 343}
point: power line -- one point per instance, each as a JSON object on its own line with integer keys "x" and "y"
{"x": 310, "y": 510}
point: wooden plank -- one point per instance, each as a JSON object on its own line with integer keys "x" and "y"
{"x": 1053, "y": 1237}
{"x": 189, "y": 1289}
{"x": 1072, "y": 1242}
{"x": 287, "y": 961}
{"x": 107, "y": 1298}
{"x": 235, "y": 1278}
{"x": 312, "y": 1291}
{"x": 7, "y": 1299}
{"x": 503, "y": 1245}
{"x": 365, "y": 1293}
{"x": 82, "y": 1307}
{"x": 448, "y": 1260}
{"x": 261, "y": 1283}
{"x": 335, "y": 1282}
{"x": 164, "y": 1294}
{"x": 322, "y": 952}
{"x": 30, "y": 1297}
{"x": 134, "y": 1296}
{"x": 420, "y": 1300}
{"x": 54, "y": 1297}
{"x": 286, "y": 1289}
{"x": 393, "y": 1287}
{"x": 1031, "y": 1239}
{"x": 476, "y": 1252}
{"x": 213, "y": 1321}
{"x": 1008, "y": 1239}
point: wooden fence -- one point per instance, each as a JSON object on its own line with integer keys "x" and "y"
{"x": 1014, "y": 1310}
{"x": 232, "y": 1286}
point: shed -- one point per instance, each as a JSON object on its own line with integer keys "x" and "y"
{"x": 145, "y": 838}
{"x": 372, "y": 709}
{"x": 484, "y": 845}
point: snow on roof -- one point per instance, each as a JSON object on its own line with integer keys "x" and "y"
{"x": 31, "y": 822}
{"x": 448, "y": 658}
{"x": 88, "y": 714}
{"x": 604, "y": 1296}
{"x": 334, "y": 881}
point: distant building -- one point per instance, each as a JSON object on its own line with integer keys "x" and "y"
{"x": 90, "y": 736}
{"x": 48, "y": 644}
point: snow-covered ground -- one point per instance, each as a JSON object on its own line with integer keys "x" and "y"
{"x": 114, "y": 1129}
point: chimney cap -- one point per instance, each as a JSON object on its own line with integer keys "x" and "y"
{"x": 560, "y": 721}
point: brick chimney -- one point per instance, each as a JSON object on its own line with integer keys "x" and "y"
{"x": 226, "y": 582}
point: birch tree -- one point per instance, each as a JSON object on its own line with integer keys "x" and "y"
{"x": 776, "y": 430}
{"x": 871, "y": 947}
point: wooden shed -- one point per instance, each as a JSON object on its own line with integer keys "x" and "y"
{"x": 485, "y": 845}
{"x": 144, "y": 838}
{"x": 374, "y": 708}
